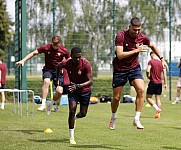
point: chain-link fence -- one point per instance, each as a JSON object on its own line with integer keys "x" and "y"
{"x": 93, "y": 24}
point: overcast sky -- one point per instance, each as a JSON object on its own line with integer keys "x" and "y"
{"x": 11, "y": 8}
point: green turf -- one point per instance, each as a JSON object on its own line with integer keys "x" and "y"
{"x": 92, "y": 132}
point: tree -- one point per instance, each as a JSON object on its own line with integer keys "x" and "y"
{"x": 5, "y": 28}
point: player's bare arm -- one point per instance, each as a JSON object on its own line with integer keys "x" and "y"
{"x": 27, "y": 57}
{"x": 148, "y": 71}
{"x": 165, "y": 78}
{"x": 121, "y": 54}
{"x": 157, "y": 52}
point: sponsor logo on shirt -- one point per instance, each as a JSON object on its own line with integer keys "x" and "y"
{"x": 79, "y": 72}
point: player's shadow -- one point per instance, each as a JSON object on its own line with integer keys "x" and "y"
{"x": 98, "y": 146}
{"x": 25, "y": 131}
{"x": 50, "y": 140}
{"x": 170, "y": 147}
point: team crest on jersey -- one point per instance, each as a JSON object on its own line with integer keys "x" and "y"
{"x": 48, "y": 52}
{"x": 79, "y": 72}
{"x": 59, "y": 54}
{"x": 126, "y": 44}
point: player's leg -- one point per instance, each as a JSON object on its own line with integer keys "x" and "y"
{"x": 177, "y": 100}
{"x": 58, "y": 92}
{"x": 71, "y": 119}
{"x": 158, "y": 106}
{"x": 2, "y": 97}
{"x": 46, "y": 75}
{"x": 3, "y": 100}
{"x": 119, "y": 80}
{"x": 84, "y": 104}
{"x": 139, "y": 88}
{"x": 114, "y": 106}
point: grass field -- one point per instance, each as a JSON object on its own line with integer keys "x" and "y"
{"x": 92, "y": 132}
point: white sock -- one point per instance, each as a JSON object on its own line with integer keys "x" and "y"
{"x": 177, "y": 99}
{"x": 51, "y": 102}
{"x": 114, "y": 115}
{"x": 75, "y": 116}
{"x": 137, "y": 115}
{"x": 43, "y": 101}
{"x": 71, "y": 132}
{"x": 155, "y": 106}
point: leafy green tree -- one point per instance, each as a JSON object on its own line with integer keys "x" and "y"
{"x": 5, "y": 28}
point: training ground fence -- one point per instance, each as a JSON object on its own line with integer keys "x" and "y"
{"x": 92, "y": 25}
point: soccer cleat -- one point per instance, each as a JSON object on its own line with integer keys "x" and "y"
{"x": 72, "y": 141}
{"x": 158, "y": 113}
{"x": 49, "y": 108}
{"x": 112, "y": 123}
{"x": 175, "y": 102}
{"x": 42, "y": 107}
{"x": 137, "y": 124}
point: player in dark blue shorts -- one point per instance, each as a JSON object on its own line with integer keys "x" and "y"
{"x": 79, "y": 91}
{"x": 154, "y": 73}
{"x": 129, "y": 43}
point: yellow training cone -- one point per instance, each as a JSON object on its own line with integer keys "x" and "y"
{"x": 48, "y": 130}
{"x": 148, "y": 105}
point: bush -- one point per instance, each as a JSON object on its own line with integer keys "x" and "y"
{"x": 101, "y": 86}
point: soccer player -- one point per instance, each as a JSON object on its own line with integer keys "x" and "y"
{"x": 2, "y": 81}
{"x": 154, "y": 74}
{"x": 178, "y": 85}
{"x": 54, "y": 52}
{"x": 79, "y": 91}
{"x": 129, "y": 43}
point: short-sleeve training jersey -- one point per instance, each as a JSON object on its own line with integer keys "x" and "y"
{"x": 3, "y": 73}
{"x": 123, "y": 38}
{"x": 53, "y": 57}
{"x": 78, "y": 74}
{"x": 156, "y": 71}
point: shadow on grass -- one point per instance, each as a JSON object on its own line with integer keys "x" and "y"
{"x": 178, "y": 128}
{"x": 170, "y": 147}
{"x": 97, "y": 146}
{"x": 50, "y": 140}
{"x": 25, "y": 131}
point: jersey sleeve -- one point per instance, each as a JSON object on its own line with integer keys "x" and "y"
{"x": 119, "y": 39}
{"x": 43, "y": 48}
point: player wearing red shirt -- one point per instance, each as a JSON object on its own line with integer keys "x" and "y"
{"x": 2, "y": 81}
{"x": 80, "y": 76}
{"x": 128, "y": 46}
{"x": 54, "y": 53}
{"x": 154, "y": 73}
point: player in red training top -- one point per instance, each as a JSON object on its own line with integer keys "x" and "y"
{"x": 54, "y": 52}
{"x": 154, "y": 73}
{"x": 129, "y": 43}
{"x": 2, "y": 81}
{"x": 80, "y": 75}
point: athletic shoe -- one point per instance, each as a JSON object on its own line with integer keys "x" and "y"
{"x": 157, "y": 115}
{"x": 175, "y": 102}
{"x": 112, "y": 123}
{"x": 72, "y": 141}
{"x": 137, "y": 124}
{"x": 42, "y": 107}
{"x": 2, "y": 107}
{"x": 49, "y": 108}
{"x": 55, "y": 109}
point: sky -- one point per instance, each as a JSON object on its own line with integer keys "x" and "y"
{"x": 11, "y": 8}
